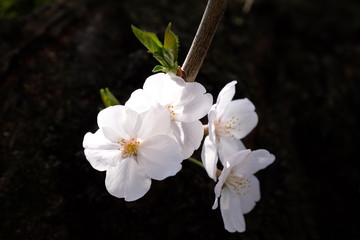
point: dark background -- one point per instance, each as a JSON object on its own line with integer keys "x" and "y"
{"x": 297, "y": 60}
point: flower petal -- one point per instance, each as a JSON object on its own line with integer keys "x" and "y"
{"x": 216, "y": 203}
{"x": 222, "y": 179}
{"x": 209, "y": 157}
{"x": 102, "y": 159}
{"x": 249, "y": 199}
{"x": 112, "y": 134}
{"x": 99, "y": 151}
{"x": 195, "y": 103}
{"x": 188, "y": 135}
{"x": 139, "y": 101}
{"x": 240, "y": 113}
{"x": 97, "y": 140}
{"x": 120, "y": 118}
{"x": 113, "y": 116}
{"x": 156, "y": 121}
{"x": 164, "y": 88}
{"x": 132, "y": 123}
{"x": 159, "y": 157}
{"x": 225, "y": 96}
{"x": 228, "y": 164}
{"x": 255, "y": 161}
{"x": 231, "y": 211}
{"x": 127, "y": 181}
{"x": 229, "y": 146}
{"x": 255, "y": 188}
{"x": 238, "y": 106}
{"x": 212, "y": 118}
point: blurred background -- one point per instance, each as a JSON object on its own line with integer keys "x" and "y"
{"x": 297, "y": 60}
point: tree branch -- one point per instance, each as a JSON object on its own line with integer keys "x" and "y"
{"x": 201, "y": 43}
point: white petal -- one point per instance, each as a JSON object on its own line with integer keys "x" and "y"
{"x": 127, "y": 181}
{"x": 99, "y": 151}
{"x": 209, "y": 157}
{"x": 225, "y": 96}
{"x": 156, "y": 121}
{"x": 188, "y": 135}
{"x": 113, "y": 116}
{"x": 230, "y": 163}
{"x": 195, "y": 103}
{"x": 159, "y": 157}
{"x": 247, "y": 122}
{"x": 237, "y": 159}
{"x": 97, "y": 140}
{"x": 112, "y": 134}
{"x": 120, "y": 118}
{"x": 139, "y": 101}
{"x": 220, "y": 184}
{"x": 249, "y": 199}
{"x": 255, "y": 188}
{"x": 242, "y": 115}
{"x": 255, "y": 161}
{"x": 227, "y": 147}
{"x": 102, "y": 159}
{"x": 132, "y": 123}
{"x": 231, "y": 212}
{"x": 164, "y": 89}
{"x": 238, "y": 106}
{"x": 212, "y": 118}
{"x": 227, "y": 169}
{"x": 216, "y": 203}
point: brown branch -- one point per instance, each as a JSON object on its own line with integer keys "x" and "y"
{"x": 201, "y": 43}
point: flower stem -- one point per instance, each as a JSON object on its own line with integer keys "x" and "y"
{"x": 195, "y": 161}
{"x": 204, "y": 35}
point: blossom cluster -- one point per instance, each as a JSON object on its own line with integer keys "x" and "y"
{"x": 159, "y": 126}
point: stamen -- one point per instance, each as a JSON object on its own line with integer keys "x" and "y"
{"x": 172, "y": 113}
{"x": 239, "y": 185}
{"x": 226, "y": 129}
{"x": 129, "y": 148}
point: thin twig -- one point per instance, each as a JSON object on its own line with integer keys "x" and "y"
{"x": 201, "y": 43}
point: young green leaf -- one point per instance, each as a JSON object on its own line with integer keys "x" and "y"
{"x": 158, "y": 68}
{"x": 108, "y": 98}
{"x": 171, "y": 43}
{"x": 148, "y": 39}
{"x": 166, "y": 54}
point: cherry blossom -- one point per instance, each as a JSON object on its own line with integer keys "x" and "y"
{"x": 187, "y": 102}
{"x": 133, "y": 148}
{"x": 238, "y": 188}
{"x": 229, "y": 121}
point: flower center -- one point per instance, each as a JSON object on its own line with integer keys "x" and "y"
{"x": 129, "y": 148}
{"x": 226, "y": 128}
{"x": 171, "y": 110}
{"x": 239, "y": 185}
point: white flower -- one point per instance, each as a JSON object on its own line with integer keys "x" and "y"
{"x": 132, "y": 148}
{"x": 229, "y": 121}
{"x": 239, "y": 188}
{"x": 187, "y": 102}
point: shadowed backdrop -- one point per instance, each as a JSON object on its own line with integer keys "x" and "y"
{"x": 297, "y": 61}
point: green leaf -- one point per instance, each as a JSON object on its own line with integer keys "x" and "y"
{"x": 169, "y": 59}
{"x": 171, "y": 44}
{"x": 160, "y": 57}
{"x": 108, "y": 98}
{"x": 166, "y": 54}
{"x": 158, "y": 68}
{"x": 148, "y": 39}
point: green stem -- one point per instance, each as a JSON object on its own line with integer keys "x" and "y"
{"x": 195, "y": 161}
